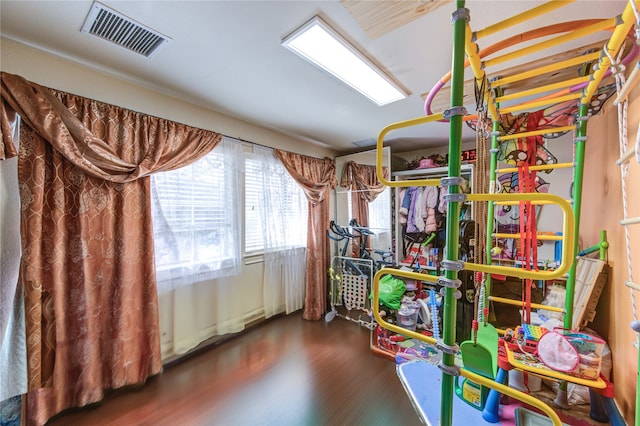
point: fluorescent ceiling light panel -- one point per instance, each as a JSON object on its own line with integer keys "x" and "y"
{"x": 319, "y": 44}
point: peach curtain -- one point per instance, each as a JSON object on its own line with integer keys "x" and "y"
{"x": 363, "y": 181}
{"x": 87, "y": 239}
{"x": 317, "y": 177}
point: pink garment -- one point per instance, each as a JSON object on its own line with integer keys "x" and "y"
{"x": 430, "y": 197}
{"x": 402, "y": 211}
{"x": 430, "y": 224}
{"x": 419, "y": 211}
{"x": 442, "y": 204}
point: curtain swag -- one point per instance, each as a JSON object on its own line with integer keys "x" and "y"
{"x": 87, "y": 240}
{"x": 363, "y": 179}
{"x": 168, "y": 145}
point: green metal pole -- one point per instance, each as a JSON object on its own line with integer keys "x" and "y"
{"x": 453, "y": 207}
{"x": 601, "y": 247}
{"x": 604, "y": 244}
{"x": 578, "y": 175}
{"x": 493, "y": 167}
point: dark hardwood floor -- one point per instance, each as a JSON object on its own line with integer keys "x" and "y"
{"x": 287, "y": 371}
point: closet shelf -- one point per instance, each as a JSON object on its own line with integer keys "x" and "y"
{"x": 434, "y": 171}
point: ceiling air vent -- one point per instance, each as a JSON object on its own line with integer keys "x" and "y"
{"x": 110, "y": 25}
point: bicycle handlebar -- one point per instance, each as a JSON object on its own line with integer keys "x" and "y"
{"x": 339, "y": 238}
{"x": 340, "y": 231}
{"x": 363, "y": 230}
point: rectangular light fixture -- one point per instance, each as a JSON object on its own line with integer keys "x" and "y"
{"x": 319, "y": 44}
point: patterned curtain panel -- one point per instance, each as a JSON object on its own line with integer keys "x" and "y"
{"x": 317, "y": 177}
{"x": 87, "y": 268}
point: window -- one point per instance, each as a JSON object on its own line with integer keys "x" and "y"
{"x": 253, "y": 239}
{"x": 271, "y": 191}
{"x": 380, "y": 211}
{"x": 196, "y": 225}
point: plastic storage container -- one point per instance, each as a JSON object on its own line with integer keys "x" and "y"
{"x": 407, "y": 317}
{"x": 572, "y": 352}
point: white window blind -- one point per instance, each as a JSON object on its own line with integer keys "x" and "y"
{"x": 196, "y": 229}
{"x": 380, "y": 211}
{"x": 253, "y": 238}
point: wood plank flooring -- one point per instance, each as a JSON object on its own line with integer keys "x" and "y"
{"x": 287, "y": 371}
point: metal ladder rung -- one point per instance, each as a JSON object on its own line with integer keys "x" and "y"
{"x": 540, "y": 167}
{"x": 540, "y": 103}
{"x": 545, "y": 69}
{"x": 513, "y": 203}
{"x": 542, "y": 237}
{"x": 536, "y": 132}
{"x": 572, "y": 35}
{"x": 543, "y": 89}
{"x": 519, "y": 303}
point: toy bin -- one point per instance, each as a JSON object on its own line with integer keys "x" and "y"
{"x": 589, "y": 350}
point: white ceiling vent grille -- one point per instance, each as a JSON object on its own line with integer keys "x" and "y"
{"x": 112, "y": 26}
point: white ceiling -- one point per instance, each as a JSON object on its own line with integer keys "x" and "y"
{"x": 226, "y": 56}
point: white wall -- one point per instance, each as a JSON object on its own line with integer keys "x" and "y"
{"x": 186, "y": 317}
{"x": 602, "y": 209}
{"x": 55, "y": 72}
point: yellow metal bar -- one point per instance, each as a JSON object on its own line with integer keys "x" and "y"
{"x": 522, "y": 17}
{"x": 537, "y": 104}
{"x": 506, "y": 390}
{"x": 543, "y": 89}
{"x": 513, "y": 203}
{"x": 568, "y": 252}
{"x": 471, "y": 49}
{"x": 536, "y": 133}
{"x": 541, "y": 237}
{"x": 598, "y": 383}
{"x": 578, "y": 60}
{"x": 519, "y": 303}
{"x": 613, "y": 47}
{"x": 589, "y": 29}
{"x": 540, "y": 167}
{"x": 379, "y": 152}
{"x": 375, "y": 301}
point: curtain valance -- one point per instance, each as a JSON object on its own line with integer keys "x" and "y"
{"x": 97, "y": 137}
{"x": 363, "y": 179}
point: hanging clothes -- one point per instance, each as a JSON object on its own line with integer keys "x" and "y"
{"x": 430, "y": 196}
